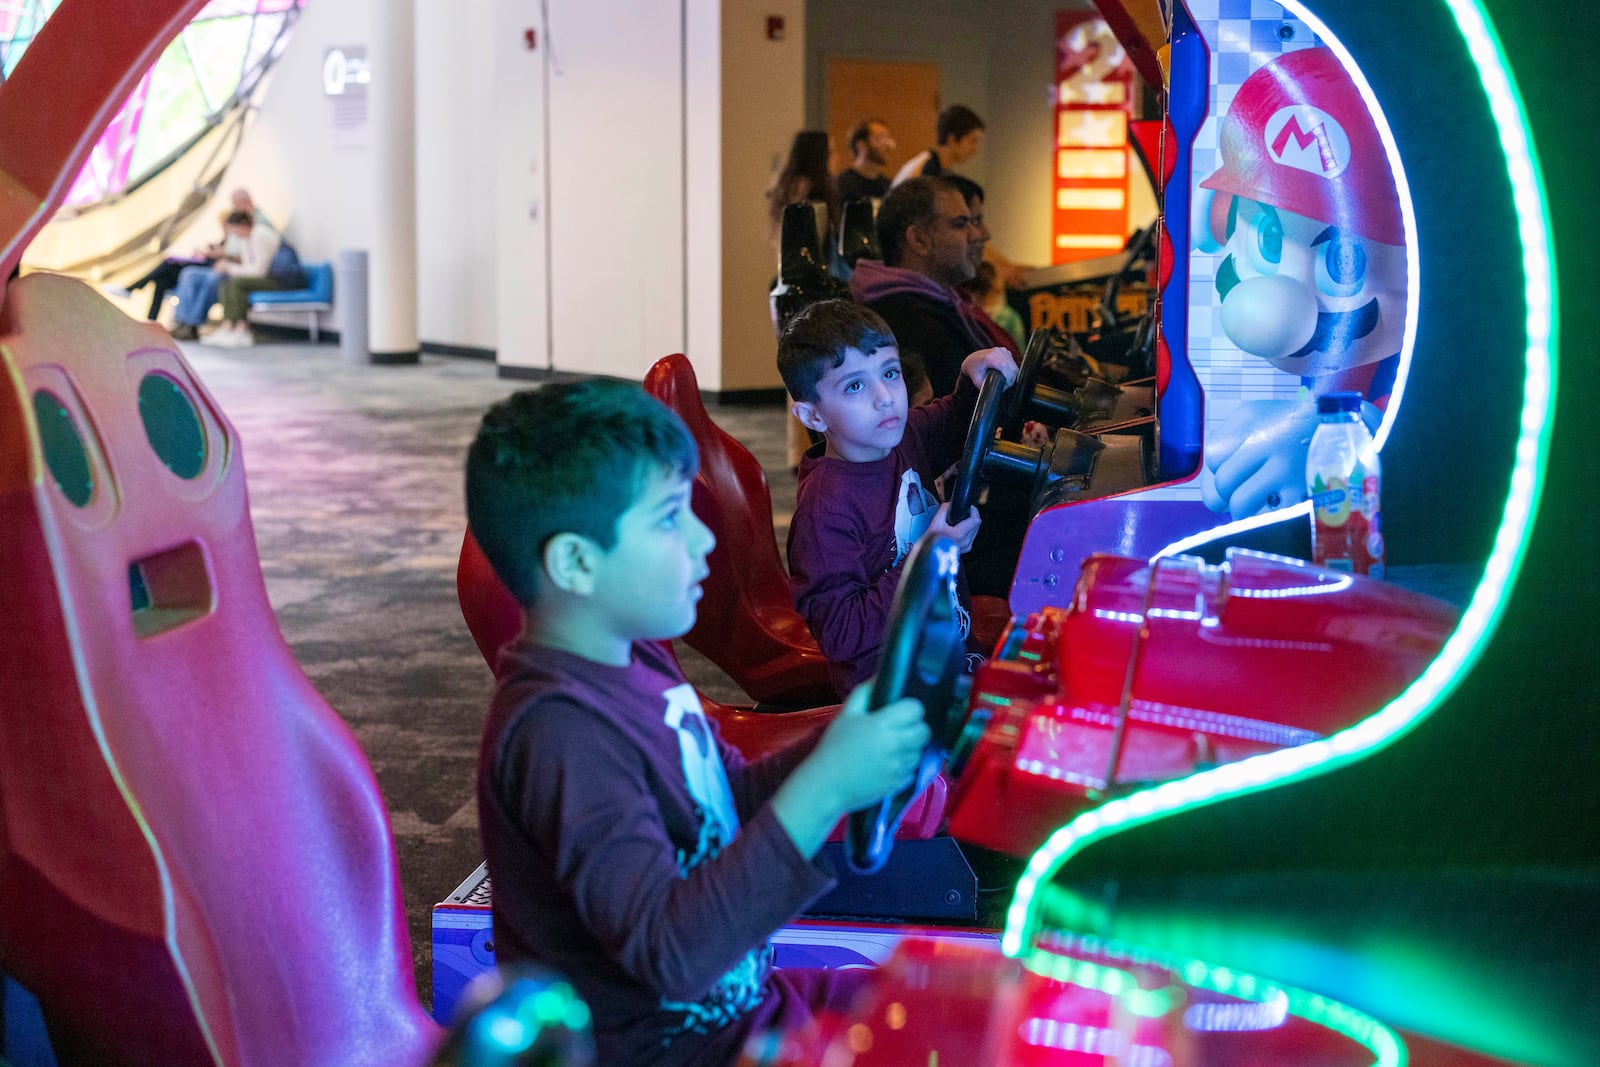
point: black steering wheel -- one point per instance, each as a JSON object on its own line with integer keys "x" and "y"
{"x": 923, "y": 652}
{"x": 980, "y": 438}
{"x": 1019, "y": 399}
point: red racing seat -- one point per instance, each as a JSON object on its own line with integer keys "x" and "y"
{"x": 747, "y": 624}
{"x": 195, "y": 862}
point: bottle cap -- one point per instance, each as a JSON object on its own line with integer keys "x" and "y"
{"x": 1338, "y": 403}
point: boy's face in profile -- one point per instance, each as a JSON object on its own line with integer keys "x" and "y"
{"x": 647, "y": 585}
{"x": 860, "y": 406}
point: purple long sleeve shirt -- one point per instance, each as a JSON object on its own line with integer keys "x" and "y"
{"x": 612, "y": 864}
{"x": 853, "y": 525}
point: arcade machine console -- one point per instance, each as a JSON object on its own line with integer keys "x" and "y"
{"x": 1386, "y": 860}
{"x": 1149, "y": 672}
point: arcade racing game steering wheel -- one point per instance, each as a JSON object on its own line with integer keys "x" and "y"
{"x": 923, "y": 651}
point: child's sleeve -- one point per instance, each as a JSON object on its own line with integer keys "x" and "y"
{"x": 754, "y": 782}
{"x": 845, "y": 607}
{"x": 583, "y": 791}
{"x": 937, "y": 430}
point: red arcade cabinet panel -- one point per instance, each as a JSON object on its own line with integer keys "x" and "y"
{"x": 1155, "y": 670}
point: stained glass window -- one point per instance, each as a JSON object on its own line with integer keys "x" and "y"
{"x": 209, "y": 69}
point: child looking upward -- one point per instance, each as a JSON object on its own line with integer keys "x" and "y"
{"x": 629, "y": 848}
{"x": 863, "y": 498}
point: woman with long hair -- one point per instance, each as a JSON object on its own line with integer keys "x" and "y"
{"x": 804, "y": 177}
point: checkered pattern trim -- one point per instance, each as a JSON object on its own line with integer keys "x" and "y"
{"x": 1242, "y": 36}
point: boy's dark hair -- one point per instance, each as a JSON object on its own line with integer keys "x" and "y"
{"x": 955, "y": 122}
{"x": 862, "y": 131}
{"x": 239, "y": 218}
{"x": 815, "y": 341}
{"x": 911, "y": 203}
{"x": 566, "y": 458}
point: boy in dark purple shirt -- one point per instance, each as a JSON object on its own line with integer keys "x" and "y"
{"x": 629, "y": 848}
{"x": 863, "y": 498}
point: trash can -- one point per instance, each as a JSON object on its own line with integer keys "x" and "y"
{"x": 350, "y": 285}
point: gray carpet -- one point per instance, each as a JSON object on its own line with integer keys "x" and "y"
{"x": 354, "y": 474}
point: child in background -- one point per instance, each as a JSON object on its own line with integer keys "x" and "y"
{"x": 990, "y": 295}
{"x": 863, "y": 499}
{"x": 629, "y": 848}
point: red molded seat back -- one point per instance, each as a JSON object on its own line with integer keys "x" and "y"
{"x": 747, "y": 625}
{"x": 493, "y": 615}
{"x": 195, "y": 862}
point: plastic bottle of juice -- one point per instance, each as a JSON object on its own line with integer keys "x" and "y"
{"x": 1343, "y": 479}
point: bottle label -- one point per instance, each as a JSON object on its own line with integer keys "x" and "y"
{"x": 1346, "y": 527}
{"x": 1331, "y": 500}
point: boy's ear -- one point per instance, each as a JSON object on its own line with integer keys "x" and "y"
{"x": 809, "y": 416}
{"x": 569, "y": 563}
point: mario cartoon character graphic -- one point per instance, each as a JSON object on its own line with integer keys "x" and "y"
{"x": 1314, "y": 280}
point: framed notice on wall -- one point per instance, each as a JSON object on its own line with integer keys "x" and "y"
{"x": 1094, "y": 100}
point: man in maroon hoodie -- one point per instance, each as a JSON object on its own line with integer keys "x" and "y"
{"x": 931, "y": 242}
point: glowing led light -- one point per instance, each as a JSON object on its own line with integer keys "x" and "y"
{"x": 1091, "y": 199}
{"x": 1238, "y": 1016}
{"x": 505, "y": 1033}
{"x": 1300, "y": 512}
{"x": 1335, "y": 585}
{"x": 1091, "y": 163}
{"x": 1119, "y": 616}
{"x": 1091, "y": 240}
{"x": 1092, "y": 1040}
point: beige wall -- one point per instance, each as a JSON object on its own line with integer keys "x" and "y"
{"x": 762, "y": 106}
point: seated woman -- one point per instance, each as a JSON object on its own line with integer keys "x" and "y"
{"x": 199, "y": 286}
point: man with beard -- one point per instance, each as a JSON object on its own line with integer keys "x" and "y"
{"x": 865, "y": 178}
{"x": 931, "y": 244}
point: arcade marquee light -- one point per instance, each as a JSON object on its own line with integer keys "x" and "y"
{"x": 1482, "y": 615}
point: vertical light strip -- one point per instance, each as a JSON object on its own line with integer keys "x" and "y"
{"x": 1505, "y": 558}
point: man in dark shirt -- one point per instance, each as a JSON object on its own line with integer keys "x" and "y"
{"x": 870, "y": 143}
{"x": 959, "y": 135}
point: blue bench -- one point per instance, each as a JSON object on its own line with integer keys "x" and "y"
{"x": 314, "y": 301}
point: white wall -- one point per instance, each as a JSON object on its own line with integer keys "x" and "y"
{"x": 457, "y": 47}
{"x": 514, "y": 159}
{"x": 290, "y": 156}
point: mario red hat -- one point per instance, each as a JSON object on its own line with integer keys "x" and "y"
{"x": 1298, "y": 136}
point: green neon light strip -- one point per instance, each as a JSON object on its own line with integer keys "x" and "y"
{"x": 1384, "y": 1044}
{"x": 1488, "y": 603}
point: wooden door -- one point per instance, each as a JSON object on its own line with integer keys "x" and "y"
{"x": 905, "y": 96}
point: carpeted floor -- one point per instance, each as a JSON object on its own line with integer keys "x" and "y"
{"x": 354, "y": 474}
